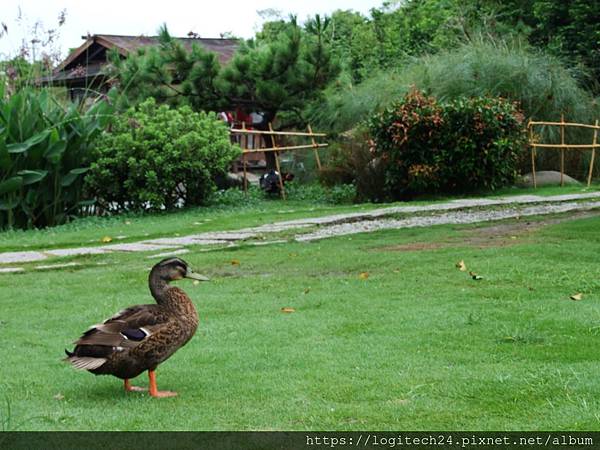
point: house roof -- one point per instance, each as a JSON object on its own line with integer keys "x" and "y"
{"x": 224, "y": 48}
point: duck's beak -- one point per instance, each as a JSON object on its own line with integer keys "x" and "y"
{"x": 196, "y": 276}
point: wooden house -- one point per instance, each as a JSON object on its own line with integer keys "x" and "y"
{"x": 84, "y": 68}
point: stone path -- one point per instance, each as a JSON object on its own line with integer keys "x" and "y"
{"x": 460, "y": 211}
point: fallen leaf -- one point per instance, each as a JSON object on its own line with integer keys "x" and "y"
{"x": 396, "y": 270}
{"x": 235, "y": 262}
{"x": 475, "y": 276}
{"x": 106, "y": 239}
{"x": 287, "y": 309}
{"x": 307, "y": 290}
{"x": 461, "y": 266}
{"x": 59, "y": 397}
{"x": 363, "y": 275}
{"x": 577, "y": 296}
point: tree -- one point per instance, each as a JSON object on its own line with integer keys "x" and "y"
{"x": 282, "y": 75}
{"x": 170, "y": 74}
{"x": 278, "y": 73}
{"x": 354, "y": 43}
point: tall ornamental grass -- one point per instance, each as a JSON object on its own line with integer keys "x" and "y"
{"x": 541, "y": 84}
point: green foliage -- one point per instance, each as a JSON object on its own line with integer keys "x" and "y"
{"x": 539, "y": 82}
{"x": 350, "y": 160}
{"x": 281, "y": 70}
{"x": 235, "y": 197}
{"x": 155, "y": 157}
{"x": 44, "y": 151}
{"x": 316, "y": 193}
{"x": 463, "y": 145}
{"x": 398, "y": 31}
{"x": 170, "y": 74}
{"x": 568, "y": 30}
{"x": 284, "y": 74}
{"x": 393, "y": 35}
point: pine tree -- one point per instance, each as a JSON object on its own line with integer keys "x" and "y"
{"x": 275, "y": 74}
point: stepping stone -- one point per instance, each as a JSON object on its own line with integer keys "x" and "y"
{"x": 280, "y": 241}
{"x": 20, "y": 257}
{"x": 181, "y": 251}
{"x": 77, "y": 251}
{"x": 194, "y": 239}
{"x": 138, "y": 247}
{"x": 277, "y": 227}
{"x": 57, "y": 266}
{"x": 226, "y": 235}
{"x": 11, "y": 269}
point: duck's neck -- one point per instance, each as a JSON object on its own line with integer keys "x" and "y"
{"x": 158, "y": 288}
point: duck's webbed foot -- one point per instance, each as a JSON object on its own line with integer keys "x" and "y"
{"x": 130, "y": 388}
{"x": 154, "y": 392}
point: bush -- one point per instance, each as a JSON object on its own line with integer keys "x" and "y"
{"x": 464, "y": 145}
{"x": 155, "y": 157}
{"x": 350, "y": 161}
{"x": 45, "y": 149}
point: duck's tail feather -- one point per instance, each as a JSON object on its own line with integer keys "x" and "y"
{"x": 85, "y": 362}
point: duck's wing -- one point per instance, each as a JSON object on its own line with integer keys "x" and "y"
{"x": 126, "y": 329}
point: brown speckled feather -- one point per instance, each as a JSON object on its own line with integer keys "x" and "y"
{"x": 137, "y": 338}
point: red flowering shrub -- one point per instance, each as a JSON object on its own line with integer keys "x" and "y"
{"x": 464, "y": 145}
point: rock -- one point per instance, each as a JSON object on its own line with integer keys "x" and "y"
{"x": 546, "y": 178}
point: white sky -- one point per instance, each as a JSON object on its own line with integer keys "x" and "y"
{"x": 135, "y": 17}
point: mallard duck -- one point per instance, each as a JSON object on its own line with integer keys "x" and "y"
{"x": 141, "y": 337}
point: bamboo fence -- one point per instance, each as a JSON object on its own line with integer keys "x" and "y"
{"x": 563, "y": 146}
{"x": 245, "y": 133}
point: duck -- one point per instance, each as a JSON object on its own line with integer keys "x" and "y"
{"x": 140, "y": 337}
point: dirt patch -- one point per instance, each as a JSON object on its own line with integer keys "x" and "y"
{"x": 499, "y": 235}
{"x": 414, "y": 247}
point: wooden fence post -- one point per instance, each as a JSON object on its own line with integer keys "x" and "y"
{"x": 277, "y": 164}
{"x": 244, "y": 161}
{"x": 315, "y": 146}
{"x": 562, "y": 150}
{"x": 594, "y": 142}
{"x": 530, "y": 127}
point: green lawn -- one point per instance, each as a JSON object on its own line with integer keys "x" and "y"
{"x": 417, "y": 345}
{"x": 130, "y": 228}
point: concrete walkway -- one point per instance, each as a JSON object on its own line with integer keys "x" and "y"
{"x": 453, "y": 212}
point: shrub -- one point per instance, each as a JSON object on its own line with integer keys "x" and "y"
{"x": 45, "y": 149}
{"x": 155, "y": 157}
{"x": 350, "y": 161}
{"x": 464, "y": 145}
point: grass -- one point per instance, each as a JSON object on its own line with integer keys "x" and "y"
{"x": 417, "y": 345}
{"x": 540, "y": 83}
{"x": 90, "y": 231}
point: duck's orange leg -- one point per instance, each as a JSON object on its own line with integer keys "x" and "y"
{"x": 130, "y": 388}
{"x": 154, "y": 392}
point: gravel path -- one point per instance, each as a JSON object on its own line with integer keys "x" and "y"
{"x": 460, "y": 211}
